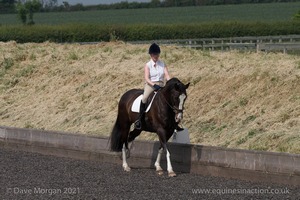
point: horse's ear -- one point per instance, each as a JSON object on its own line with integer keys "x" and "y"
{"x": 187, "y": 86}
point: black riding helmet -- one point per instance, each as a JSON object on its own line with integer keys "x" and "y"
{"x": 154, "y": 49}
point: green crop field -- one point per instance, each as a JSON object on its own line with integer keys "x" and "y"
{"x": 244, "y": 12}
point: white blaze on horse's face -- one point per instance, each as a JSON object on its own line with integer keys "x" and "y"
{"x": 179, "y": 115}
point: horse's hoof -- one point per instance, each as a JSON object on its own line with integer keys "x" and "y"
{"x": 172, "y": 174}
{"x": 126, "y": 169}
{"x": 160, "y": 172}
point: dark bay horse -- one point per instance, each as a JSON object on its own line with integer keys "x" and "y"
{"x": 162, "y": 118}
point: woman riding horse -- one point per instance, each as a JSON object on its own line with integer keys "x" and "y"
{"x": 163, "y": 117}
{"x": 155, "y": 71}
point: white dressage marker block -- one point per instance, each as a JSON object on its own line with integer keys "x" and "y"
{"x": 182, "y": 137}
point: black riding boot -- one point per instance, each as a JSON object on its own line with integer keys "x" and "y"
{"x": 178, "y": 128}
{"x": 138, "y": 122}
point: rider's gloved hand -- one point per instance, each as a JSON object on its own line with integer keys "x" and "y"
{"x": 156, "y": 87}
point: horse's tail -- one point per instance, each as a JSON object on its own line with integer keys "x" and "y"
{"x": 116, "y": 143}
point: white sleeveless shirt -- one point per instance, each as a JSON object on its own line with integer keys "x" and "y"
{"x": 156, "y": 70}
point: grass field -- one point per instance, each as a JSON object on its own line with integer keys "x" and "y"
{"x": 244, "y": 12}
{"x": 237, "y": 100}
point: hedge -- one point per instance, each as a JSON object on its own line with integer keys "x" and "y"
{"x": 97, "y": 33}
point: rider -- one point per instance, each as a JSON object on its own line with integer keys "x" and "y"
{"x": 155, "y": 72}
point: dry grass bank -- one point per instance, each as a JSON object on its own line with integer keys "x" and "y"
{"x": 240, "y": 100}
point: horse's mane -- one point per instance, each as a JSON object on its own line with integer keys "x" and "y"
{"x": 173, "y": 80}
{"x": 171, "y": 83}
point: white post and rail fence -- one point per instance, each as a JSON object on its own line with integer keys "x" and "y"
{"x": 282, "y": 43}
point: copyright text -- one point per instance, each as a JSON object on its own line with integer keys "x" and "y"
{"x": 43, "y": 191}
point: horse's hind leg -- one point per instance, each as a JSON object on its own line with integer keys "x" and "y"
{"x": 125, "y": 164}
{"x": 133, "y": 134}
{"x": 125, "y": 131}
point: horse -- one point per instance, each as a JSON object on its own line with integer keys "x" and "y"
{"x": 163, "y": 117}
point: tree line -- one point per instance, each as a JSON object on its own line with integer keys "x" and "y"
{"x": 9, "y": 6}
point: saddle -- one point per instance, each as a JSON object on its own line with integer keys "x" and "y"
{"x": 137, "y": 102}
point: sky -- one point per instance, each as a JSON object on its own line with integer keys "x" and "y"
{"x": 96, "y": 2}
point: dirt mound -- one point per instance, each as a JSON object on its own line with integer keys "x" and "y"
{"x": 240, "y": 100}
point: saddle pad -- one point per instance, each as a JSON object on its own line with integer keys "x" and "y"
{"x": 137, "y": 102}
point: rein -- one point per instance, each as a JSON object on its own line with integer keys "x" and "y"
{"x": 175, "y": 110}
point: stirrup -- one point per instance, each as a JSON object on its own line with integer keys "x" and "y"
{"x": 138, "y": 125}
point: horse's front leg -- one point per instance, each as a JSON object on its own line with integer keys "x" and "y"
{"x": 159, "y": 170}
{"x": 163, "y": 138}
{"x": 169, "y": 165}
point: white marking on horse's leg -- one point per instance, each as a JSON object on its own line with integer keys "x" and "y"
{"x": 125, "y": 165}
{"x": 169, "y": 165}
{"x": 157, "y": 162}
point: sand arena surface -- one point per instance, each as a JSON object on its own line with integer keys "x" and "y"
{"x": 236, "y": 99}
{"x": 34, "y": 176}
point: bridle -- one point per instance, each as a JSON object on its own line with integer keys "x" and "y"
{"x": 176, "y": 110}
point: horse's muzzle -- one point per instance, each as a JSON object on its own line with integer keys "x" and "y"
{"x": 178, "y": 117}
